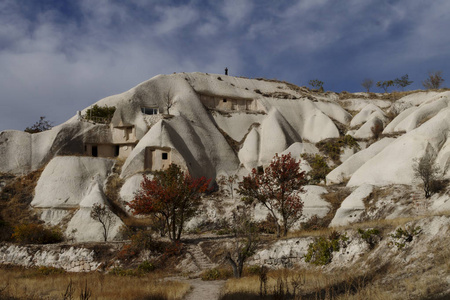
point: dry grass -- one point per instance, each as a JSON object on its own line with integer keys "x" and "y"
{"x": 310, "y": 284}
{"x": 31, "y": 284}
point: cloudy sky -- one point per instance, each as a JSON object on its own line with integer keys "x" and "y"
{"x": 60, "y": 56}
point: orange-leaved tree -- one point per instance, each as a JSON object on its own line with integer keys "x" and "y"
{"x": 171, "y": 195}
{"x": 277, "y": 188}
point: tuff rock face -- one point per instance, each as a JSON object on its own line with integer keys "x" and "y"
{"x": 220, "y": 125}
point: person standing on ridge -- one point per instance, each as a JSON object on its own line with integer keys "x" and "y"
{"x": 226, "y": 71}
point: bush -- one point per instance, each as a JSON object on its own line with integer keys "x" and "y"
{"x": 371, "y": 236}
{"x": 146, "y": 267}
{"x": 320, "y": 252}
{"x": 102, "y": 112}
{"x": 314, "y": 223}
{"x": 403, "y": 236}
{"x": 39, "y": 126}
{"x": 37, "y": 234}
{"x": 216, "y": 274}
{"x": 434, "y": 80}
{"x": 140, "y": 240}
{"x": 316, "y": 84}
{"x": 268, "y": 225}
{"x": 332, "y": 147}
{"x": 43, "y": 270}
{"x": 319, "y": 168}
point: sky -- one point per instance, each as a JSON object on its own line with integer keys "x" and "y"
{"x": 58, "y": 56}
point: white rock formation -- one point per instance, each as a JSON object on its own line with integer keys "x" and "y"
{"x": 345, "y": 170}
{"x": 393, "y": 165}
{"x": 352, "y": 206}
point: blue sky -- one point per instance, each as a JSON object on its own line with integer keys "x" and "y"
{"x": 57, "y": 57}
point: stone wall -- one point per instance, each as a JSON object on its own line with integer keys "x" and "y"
{"x": 69, "y": 258}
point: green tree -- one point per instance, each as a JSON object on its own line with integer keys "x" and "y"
{"x": 385, "y": 84}
{"x": 316, "y": 84}
{"x": 277, "y": 188}
{"x": 39, "y": 126}
{"x": 171, "y": 195}
{"x": 434, "y": 80}
{"x": 402, "y": 81}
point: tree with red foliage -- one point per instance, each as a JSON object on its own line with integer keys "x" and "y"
{"x": 277, "y": 188}
{"x": 171, "y": 195}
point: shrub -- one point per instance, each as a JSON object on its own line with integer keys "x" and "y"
{"x": 43, "y": 270}
{"x": 268, "y": 225}
{"x": 427, "y": 171}
{"x": 319, "y": 168}
{"x": 37, "y": 234}
{"x": 314, "y": 223}
{"x": 371, "y": 236}
{"x": 39, "y": 126}
{"x": 216, "y": 274}
{"x": 100, "y": 112}
{"x": 140, "y": 240}
{"x": 146, "y": 267}
{"x": 434, "y": 80}
{"x": 316, "y": 84}
{"x": 385, "y": 84}
{"x": 377, "y": 129}
{"x": 332, "y": 147}
{"x": 403, "y": 236}
{"x": 320, "y": 252}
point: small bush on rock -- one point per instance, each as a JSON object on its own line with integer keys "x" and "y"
{"x": 319, "y": 168}
{"x": 320, "y": 252}
{"x": 332, "y": 147}
{"x": 403, "y": 236}
{"x": 371, "y": 236}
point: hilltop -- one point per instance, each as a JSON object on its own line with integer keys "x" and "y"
{"x": 216, "y": 125}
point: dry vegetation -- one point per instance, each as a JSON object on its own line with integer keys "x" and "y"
{"x": 49, "y": 283}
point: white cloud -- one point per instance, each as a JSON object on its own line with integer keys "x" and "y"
{"x": 236, "y": 11}
{"x": 173, "y": 18}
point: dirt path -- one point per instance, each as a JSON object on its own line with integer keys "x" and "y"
{"x": 204, "y": 290}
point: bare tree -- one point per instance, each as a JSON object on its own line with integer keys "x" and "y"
{"x": 246, "y": 240}
{"x": 228, "y": 182}
{"x": 103, "y": 215}
{"x": 168, "y": 101}
{"x": 427, "y": 171}
{"x": 434, "y": 80}
{"x": 367, "y": 84}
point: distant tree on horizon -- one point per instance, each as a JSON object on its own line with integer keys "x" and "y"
{"x": 402, "y": 81}
{"x": 316, "y": 84}
{"x": 434, "y": 80}
{"x": 367, "y": 84}
{"x": 385, "y": 84}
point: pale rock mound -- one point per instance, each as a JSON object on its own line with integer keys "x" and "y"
{"x": 345, "y": 170}
{"x": 82, "y": 227}
{"x": 66, "y": 180}
{"x": 352, "y": 206}
{"x": 368, "y": 112}
{"x": 413, "y": 117}
{"x": 313, "y": 204}
{"x": 393, "y": 165}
